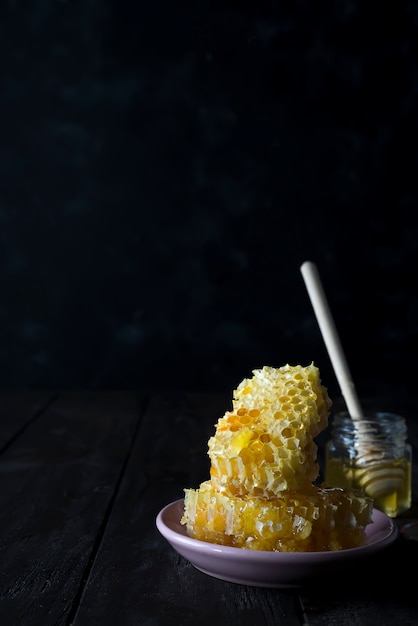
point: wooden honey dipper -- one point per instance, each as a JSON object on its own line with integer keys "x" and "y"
{"x": 378, "y": 477}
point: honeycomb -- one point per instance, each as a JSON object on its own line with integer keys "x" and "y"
{"x": 263, "y": 465}
{"x": 265, "y": 445}
{"x": 317, "y": 519}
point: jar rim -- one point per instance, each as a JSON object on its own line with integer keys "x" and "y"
{"x": 370, "y": 416}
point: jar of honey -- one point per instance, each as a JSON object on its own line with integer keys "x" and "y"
{"x": 371, "y": 454}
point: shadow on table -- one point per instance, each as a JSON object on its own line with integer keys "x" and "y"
{"x": 387, "y": 577}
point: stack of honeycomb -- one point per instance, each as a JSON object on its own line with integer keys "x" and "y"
{"x": 261, "y": 494}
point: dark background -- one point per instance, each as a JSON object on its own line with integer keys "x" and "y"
{"x": 166, "y": 167}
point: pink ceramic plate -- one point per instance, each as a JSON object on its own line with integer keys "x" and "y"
{"x": 267, "y": 569}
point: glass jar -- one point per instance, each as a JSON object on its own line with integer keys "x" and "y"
{"x": 372, "y": 454}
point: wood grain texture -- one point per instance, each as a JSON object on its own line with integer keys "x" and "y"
{"x": 17, "y": 410}
{"x": 82, "y": 479}
{"x": 57, "y": 483}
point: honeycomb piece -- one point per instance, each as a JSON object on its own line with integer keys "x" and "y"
{"x": 295, "y": 390}
{"x": 265, "y": 444}
{"x": 317, "y": 519}
{"x": 261, "y": 495}
{"x": 249, "y": 455}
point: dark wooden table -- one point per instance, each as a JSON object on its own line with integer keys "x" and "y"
{"x": 83, "y": 476}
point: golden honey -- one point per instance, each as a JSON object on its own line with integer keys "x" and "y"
{"x": 372, "y": 455}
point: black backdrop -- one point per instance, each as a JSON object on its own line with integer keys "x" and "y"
{"x": 166, "y": 167}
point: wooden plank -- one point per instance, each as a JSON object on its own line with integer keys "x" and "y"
{"x": 137, "y": 577}
{"x": 17, "y": 410}
{"x": 379, "y": 591}
{"x": 58, "y": 481}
